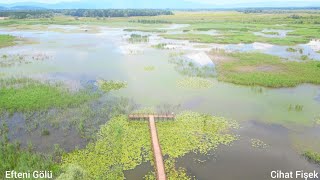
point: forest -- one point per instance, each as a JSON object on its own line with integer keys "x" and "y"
{"x": 24, "y": 14}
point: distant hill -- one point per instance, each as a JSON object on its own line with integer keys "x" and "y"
{"x": 26, "y": 8}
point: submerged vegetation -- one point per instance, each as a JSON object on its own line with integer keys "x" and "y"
{"x": 149, "y": 68}
{"x": 7, "y": 60}
{"x": 187, "y": 67}
{"x": 267, "y": 70}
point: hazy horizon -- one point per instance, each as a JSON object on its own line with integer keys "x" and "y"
{"x": 159, "y": 4}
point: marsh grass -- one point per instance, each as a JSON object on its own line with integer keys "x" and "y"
{"x": 189, "y": 68}
{"x": 257, "y": 69}
{"x": 13, "y": 157}
{"x": 297, "y": 108}
{"x": 312, "y": 156}
{"x": 7, "y": 40}
{"x": 25, "y": 95}
{"x": 111, "y": 85}
{"x": 137, "y": 38}
{"x": 19, "y": 59}
{"x": 235, "y": 37}
{"x": 160, "y": 46}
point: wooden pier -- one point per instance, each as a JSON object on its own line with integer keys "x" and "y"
{"x": 158, "y": 159}
{"x": 155, "y": 116}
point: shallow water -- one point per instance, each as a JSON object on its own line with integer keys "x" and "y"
{"x": 78, "y": 58}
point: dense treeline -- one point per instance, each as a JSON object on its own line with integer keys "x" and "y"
{"x": 27, "y": 14}
{"x": 115, "y": 12}
{"x": 23, "y": 14}
{"x": 279, "y": 10}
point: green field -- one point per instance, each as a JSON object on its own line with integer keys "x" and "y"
{"x": 256, "y": 69}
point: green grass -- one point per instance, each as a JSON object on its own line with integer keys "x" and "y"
{"x": 273, "y": 72}
{"x": 28, "y": 95}
{"x": 123, "y": 144}
{"x": 237, "y": 37}
{"x": 312, "y": 156}
{"x": 7, "y": 40}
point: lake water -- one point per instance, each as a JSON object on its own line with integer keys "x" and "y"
{"x": 262, "y": 112}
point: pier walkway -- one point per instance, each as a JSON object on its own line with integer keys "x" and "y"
{"x": 158, "y": 159}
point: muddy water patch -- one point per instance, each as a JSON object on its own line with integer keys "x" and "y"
{"x": 247, "y": 162}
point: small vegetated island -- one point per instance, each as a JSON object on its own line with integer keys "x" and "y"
{"x": 104, "y": 144}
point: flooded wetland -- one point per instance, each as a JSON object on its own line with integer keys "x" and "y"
{"x": 245, "y": 92}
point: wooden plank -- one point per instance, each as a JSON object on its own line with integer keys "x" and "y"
{"x": 161, "y": 175}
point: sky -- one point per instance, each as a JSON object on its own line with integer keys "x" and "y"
{"x": 171, "y": 3}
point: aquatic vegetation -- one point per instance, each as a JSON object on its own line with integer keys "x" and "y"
{"x": 256, "y": 69}
{"x": 304, "y": 57}
{"x": 290, "y": 49}
{"x": 312, "y": 156}
{"x": 195, "y": 83}
{"x": 137, "y": 38}
{"x": 13, "y": 157}
{"x": 19, "y": 59}
{"x": 123, "y": 145}
{"x": 25, "y": 95}
{"x": 193, "y": 132}
{"x": 73, "y": 172}
{"x": 297, "y": 107}
{"x": 160, "y": 46}
{"x": 111, "y": 85}
{"x": 171, "y": 171}
{"x": 149, "y": 68}
{"x": 256, "y": 143}
{"x": 7, "y": 40}
{"x": 187, "y": 67}
{"x": 45, "y": 132}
